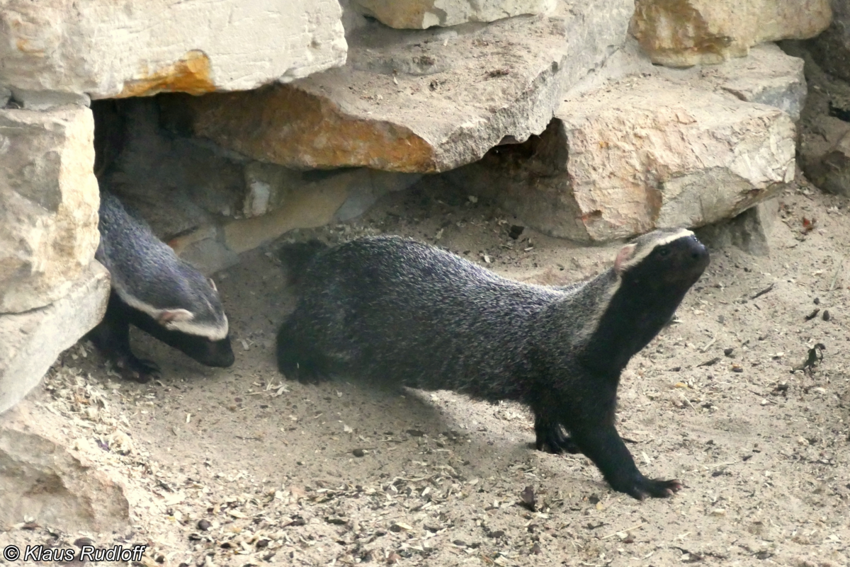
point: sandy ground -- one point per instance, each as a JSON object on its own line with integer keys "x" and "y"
{"x": 241, "y": 467}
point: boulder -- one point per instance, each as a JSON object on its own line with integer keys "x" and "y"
{"x": 30, "y": 342}
{"x": 48, "y": 204}
{"x": 423, "y": 14}
{"x": 751, "y": 231}
{"x": 41, "y": 480}
{"x": 417, "y": 101}
{"x": 120, "y": 49}
{"x": 641, "y": 154}
{"x": 681, "y": 33}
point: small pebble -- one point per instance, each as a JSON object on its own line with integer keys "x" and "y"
{"x": 204, "y": 525}
{"x": 358, "y": 453}
{"x": 826, "y": 315}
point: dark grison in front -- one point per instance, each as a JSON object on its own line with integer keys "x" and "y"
{"x": 395, "y": 310}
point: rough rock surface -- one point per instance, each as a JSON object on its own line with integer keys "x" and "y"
{"x": 766, "y": 76}
{"x": 684, "y": 33}
{"x": 824, "y": 146}
{"x": 45, "y": 482}
{"x": 289, "y": 200}
{"x": 750, "y": 231}
{"x": 831, "y": 49}
{"x": 641, "y": 154}
{"x": 419, "y": 101}
{"x": 423, "y": 14}
{"x": 48, "y": 204}
{"x": 31, "y": 341}
{"x": 141, "y": 48}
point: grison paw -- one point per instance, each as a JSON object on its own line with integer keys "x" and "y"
{"x": 141, "y": 370}
{"x": 647, "y": 487}
{"x": 552, "y": 439}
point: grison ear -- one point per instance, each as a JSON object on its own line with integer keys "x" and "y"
{"x": 174, "y": 315}
{"x": 623, "y": 256}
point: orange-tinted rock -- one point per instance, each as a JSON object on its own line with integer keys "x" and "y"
{"x": 423, "y": 101}
{"x": 192, "y": 74}
{"x": 681, "y": 33}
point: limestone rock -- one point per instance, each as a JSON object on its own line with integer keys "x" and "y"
{"x": 767, "y": 76}
{"x": 48, "y": 204}
{"x": 423, "y": 14}
{"x": 750, "y": 231}
{"x": 422, "y": 101}
{"x": 41, "y": 480}
{"x": 642, "y": 154}
{"x": 141, "y": 48}
{"x": 680, "y": 33}
{"x": 831, "y": 49}
{"x": 31, "y": 341}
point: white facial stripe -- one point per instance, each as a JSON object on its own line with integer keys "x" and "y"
{"x": 192, "y": 328}
{"x": 644, "y": 252}
{"x": 189, "y": 327}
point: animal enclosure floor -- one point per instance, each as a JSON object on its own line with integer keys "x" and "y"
{"x": 240, "y": 467}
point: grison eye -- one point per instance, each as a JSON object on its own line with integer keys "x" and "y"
{"x": 663, "y": 252}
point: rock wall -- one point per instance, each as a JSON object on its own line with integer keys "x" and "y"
{"x": 277, "y": 115}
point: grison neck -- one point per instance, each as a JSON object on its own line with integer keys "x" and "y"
{"x": 633, "y": 317}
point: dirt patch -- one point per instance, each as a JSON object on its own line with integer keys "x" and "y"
{"x": 241, "y": 467}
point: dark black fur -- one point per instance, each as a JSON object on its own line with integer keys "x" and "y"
{"x": 395, "y": 310}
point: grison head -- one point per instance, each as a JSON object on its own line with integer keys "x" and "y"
{"x": 665, "y": 259}
{"x": 200, "y": 313}
{"x": 205, "y": 348}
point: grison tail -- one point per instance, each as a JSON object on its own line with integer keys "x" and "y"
{"x": 296, "y": 256}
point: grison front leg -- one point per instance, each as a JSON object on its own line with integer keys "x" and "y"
{"x": 606, "y": 449}
{"x": 112, "y": 338}
{"x": 551, "y": 437}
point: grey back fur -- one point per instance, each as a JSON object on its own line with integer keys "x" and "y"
{"x": 148, "y": 275}
{"x": 439, "y": 321}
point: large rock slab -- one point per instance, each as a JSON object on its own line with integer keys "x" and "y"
{"x": 641, "y": 154}
{"x": 42, "y": 480}
{"x": 48, "y": 204}
{"x": 418, "y": 101}
{"x": 30, "y": 342}
{"x": 135, "y": 48}
{"x": 680, "y": 33}
{"x": 423, "y": 14}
